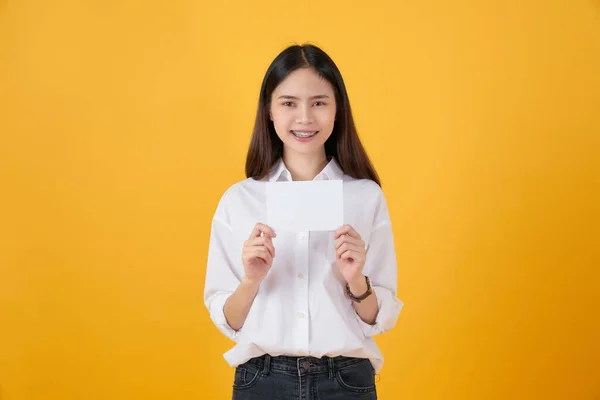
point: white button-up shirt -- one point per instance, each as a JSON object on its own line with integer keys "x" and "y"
{"x": 301, "y": 308}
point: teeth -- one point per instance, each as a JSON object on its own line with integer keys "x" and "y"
{"x": 304, "y": 135}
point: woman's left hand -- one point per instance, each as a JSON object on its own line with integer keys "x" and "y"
{"x": 350, "y": 253}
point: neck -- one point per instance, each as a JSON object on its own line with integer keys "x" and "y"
{"x": 304, "y": 167}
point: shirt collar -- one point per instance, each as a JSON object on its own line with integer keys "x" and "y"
{"x": 332, "y": 171}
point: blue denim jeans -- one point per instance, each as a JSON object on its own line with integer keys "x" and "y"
{"x": 304, "y": 378}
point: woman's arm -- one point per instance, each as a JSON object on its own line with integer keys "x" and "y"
{"x": 237, "y": 306}
{"x": 379, "y": 311}
{"x": 368, "y": 308}
{"x": 229, "y": 298}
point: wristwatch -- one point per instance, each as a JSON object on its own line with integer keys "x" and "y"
{"x": 360, "y": 298}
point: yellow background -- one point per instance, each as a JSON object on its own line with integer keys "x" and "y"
{"x": 122, "y": 122}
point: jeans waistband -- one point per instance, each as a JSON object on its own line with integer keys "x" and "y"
{"x": 303, "y": 365}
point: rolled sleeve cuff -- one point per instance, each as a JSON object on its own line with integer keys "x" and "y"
{"x": 217, "y": 314}
{"x": 389, "y": 309}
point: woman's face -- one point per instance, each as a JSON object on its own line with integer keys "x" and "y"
{"x": 303, "y": 111}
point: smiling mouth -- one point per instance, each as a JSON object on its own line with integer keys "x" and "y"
{"x": 304, "y": 134}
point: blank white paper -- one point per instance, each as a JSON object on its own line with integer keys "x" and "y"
{"x": 300, "y": 206}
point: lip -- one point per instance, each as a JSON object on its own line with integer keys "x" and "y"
{"x": 304, "y": 139}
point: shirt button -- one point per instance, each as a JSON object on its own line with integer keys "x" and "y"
{"x": 303, "y": 236}
{"x": 300, "y": 315}
{"x": 300, "y": 276}
{"x": 306, "y": 365}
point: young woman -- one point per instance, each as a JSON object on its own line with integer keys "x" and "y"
{"x": 303, "y": 307}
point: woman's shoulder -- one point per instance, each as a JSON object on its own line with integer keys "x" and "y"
{"x": 241, "y": 188}
{"x": 238, "y": 193}
{"x": 367, "y": 196}
{"x": 363, "y": 187}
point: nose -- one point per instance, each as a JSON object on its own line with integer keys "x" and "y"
{"x": 304, "y": 115}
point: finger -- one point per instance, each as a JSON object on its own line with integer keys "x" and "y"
{"x": 256, "y": 232}
{"x": 258, "y": 252}
{"x": 262, "y": 228}
{"x": 351, "y": 254}
{"x": 269, "y": 245}
{"x": 346, "y": 230}
{"x": 347, "y": 239}
{"x": 263, "y": 254}
{"x": 347, "y": 246}
{"x": 262, "y": 241}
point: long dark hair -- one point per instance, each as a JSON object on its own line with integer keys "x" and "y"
{"x": 343, "y": 144}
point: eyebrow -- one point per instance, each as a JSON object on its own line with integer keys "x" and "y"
{"x": 319, "y": 96}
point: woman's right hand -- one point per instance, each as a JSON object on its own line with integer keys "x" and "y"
{"x": 258, "y": 253}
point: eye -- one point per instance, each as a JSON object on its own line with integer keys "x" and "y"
{"x": 288, "y": 104}
{"x": 319, "y": 103}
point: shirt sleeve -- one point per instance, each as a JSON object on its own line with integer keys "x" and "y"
{"x": 382, "y": 270}
{"x": 222, "y": 279}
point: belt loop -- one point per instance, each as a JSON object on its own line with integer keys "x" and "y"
{"x": 331, "y": 367}
{"x": 267, "y": 365}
